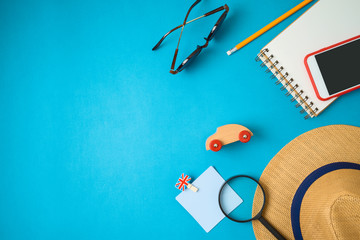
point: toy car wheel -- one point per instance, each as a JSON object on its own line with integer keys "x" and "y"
{"x": 244, "y": 136}
{"x": 215, "y": 145}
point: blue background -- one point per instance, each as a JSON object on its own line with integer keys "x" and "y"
{"x": 95, "y": 130}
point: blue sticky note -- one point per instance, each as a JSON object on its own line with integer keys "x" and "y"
{"x": 203, "y": 205}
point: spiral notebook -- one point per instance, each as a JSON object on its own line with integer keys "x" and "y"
{"x": 325, "y": 23}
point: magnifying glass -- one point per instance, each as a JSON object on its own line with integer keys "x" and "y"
{"x": 258, "y": 215}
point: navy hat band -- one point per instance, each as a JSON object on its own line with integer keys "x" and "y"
{"x": 304, "y": 186}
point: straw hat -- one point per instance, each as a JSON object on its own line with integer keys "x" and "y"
{"x": 313, "y": 186}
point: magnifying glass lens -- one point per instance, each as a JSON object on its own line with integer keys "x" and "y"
{"x": 245, "y": 187}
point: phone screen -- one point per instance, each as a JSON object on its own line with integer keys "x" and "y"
{"x": 340, "y": 67}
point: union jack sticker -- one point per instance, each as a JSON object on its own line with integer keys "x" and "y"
{"x": 182, "y": 182}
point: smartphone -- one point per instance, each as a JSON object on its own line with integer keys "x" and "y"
{"x": 335, "y": 70}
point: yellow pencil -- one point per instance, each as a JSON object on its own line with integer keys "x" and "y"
{"x": 269, "y": 26}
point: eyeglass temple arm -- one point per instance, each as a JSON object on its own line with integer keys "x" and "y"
{"x": 216, "y": 10}
{"x": 162, "y": 39}
{"x": 182, "y": 29}
{"x": 205, "y": 15}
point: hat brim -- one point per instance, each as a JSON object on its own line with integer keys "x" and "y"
{"x": 297, "y": 160}
{"x": 327, "y": 203}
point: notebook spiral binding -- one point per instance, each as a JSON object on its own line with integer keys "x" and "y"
{"x": 276, "y": 70}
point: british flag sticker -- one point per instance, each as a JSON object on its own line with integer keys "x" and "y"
{"x": 182, "y": 182}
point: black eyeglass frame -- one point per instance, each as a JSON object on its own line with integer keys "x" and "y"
{"x": 198, "y": 48}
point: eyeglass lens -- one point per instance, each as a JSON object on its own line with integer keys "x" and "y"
{"x": 217, "y": 26}
{"x": 189, "y": 59}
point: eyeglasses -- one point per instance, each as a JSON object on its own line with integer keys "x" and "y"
{"x": 195, "y": 53}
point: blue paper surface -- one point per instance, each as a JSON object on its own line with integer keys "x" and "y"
{"x": 94, "y": 130}
{"x": 203, "y": 205}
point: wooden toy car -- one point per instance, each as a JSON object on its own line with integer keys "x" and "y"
{"x": 228, "y": 134}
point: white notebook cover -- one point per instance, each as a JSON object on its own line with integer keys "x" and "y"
{"x": 326, "y": 23}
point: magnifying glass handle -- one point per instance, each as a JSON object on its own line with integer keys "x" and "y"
{"x": 271, "y": 228}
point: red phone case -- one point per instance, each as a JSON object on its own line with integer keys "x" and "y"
{"x": 311, "y": 77}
